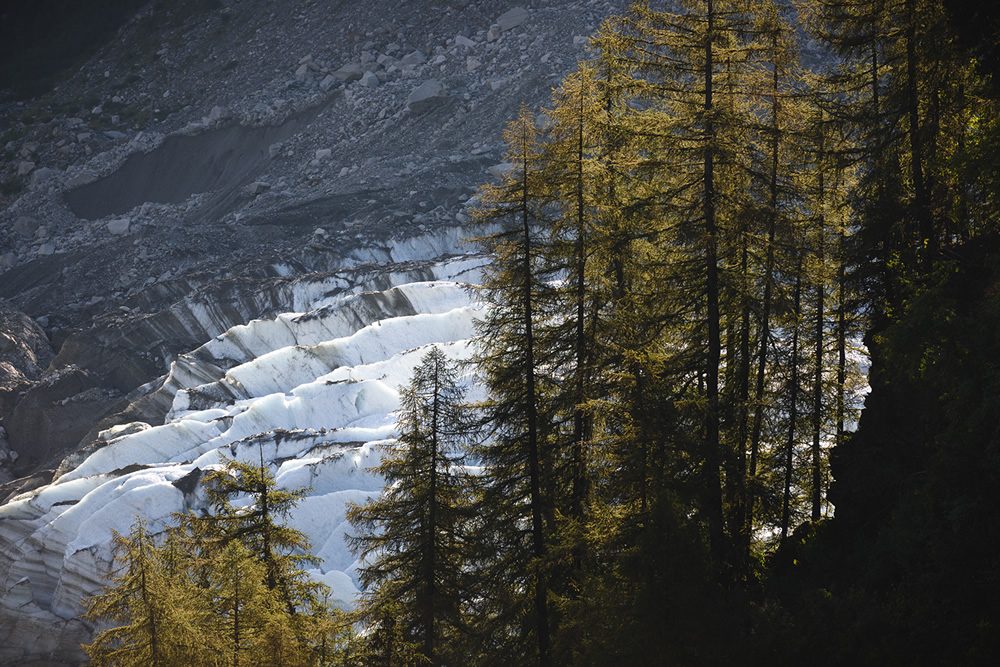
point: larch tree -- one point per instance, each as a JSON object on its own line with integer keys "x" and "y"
{"x": 160, "y": 620}
{"x": 516, "y": 522}
{"x": 412, "y": 538}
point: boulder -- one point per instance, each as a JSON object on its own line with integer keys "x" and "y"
{"x": 426, "y": 96}
{"x": 26, "y": 227}
{"x": 415, "y": 58}
{"x": 42, "y": 175}
{"x": 462, "y": 40}
{"x": 257, "y": 188}
{"x": 328, "y": 82}
{"x": 324, "y": 154}
{"x": 119, "y": 226}
{"x": 370, "y": 80}
{"x": 512, "y": 18}
{"x": 349, "y": 72}
{"x": 220, "y": 113}
{"x": 82, "y": 178}
{"x": 499, "y": 171}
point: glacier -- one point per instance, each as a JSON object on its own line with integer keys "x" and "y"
{"x": 313, "y": 392}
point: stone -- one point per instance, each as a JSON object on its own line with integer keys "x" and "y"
{"x": 302, "y": 73}
{"x": 349, "y": 72}
{"x": 493, "y": 34}
{"x": 415, "y": 58}
{"x": 257, "y": 188}
{"x": 220, "y": 113}
{"x": 119, "y": 226}
{"x": 328, "y": 82}
{"x": 24, "y": 168}
{"x": 385, "y": 60}
{"x": 82, "y": 178}
{"x": 426, "y": 96}
{"x": 512, "y": 18}
{"x": 8, "y": 260}
{"x": 324, "y": 154}
{"x": 462, "y": 40}
{"x": 46, "y": 249}
{"x": 42, "y": 175}
{"x": 499, "y": 171}
{"x": 26, "y": 227}
{"x": 115, "y": 134}
{"x": 472, "y": 64}
{"x": 370, "y": 80}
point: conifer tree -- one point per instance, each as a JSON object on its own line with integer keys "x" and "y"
{"x": 412, "y": 536}
{"x": 517, "y": 493}
{"x": 224, "y": 589}
{"x": 261, "y": 528}
{"x": 161, "y": 621}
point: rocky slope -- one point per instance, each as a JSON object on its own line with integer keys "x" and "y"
{"x": 234, "y": 230}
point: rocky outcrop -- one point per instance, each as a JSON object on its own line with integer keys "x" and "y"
{"x": 25, "y": 352}
{"x": 24, "y": 355}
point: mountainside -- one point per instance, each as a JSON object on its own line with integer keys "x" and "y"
{"x": 238, "y": 225}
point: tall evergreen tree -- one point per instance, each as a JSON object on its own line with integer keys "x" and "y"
{"x": 412, "y": 536}
{"x": 260, "y": 526}
{"x": 517, "y": 492}
{"x": 161, "y": 621}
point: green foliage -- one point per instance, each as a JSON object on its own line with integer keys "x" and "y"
{"x": 227, "y": 588}
{"x": 413, "y": 537}
{"x": 683, "y": 255}
{"x": 160, "y": 621}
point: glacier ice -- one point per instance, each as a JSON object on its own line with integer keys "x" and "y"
{"x": 312, "y": 391}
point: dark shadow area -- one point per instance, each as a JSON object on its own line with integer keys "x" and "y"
{"x": 181, "y": 166}
{"x": 41, "y": 39}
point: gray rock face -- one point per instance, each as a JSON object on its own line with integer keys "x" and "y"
{"x": 54, "y": 415}
{"x": 24, "y": 353}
